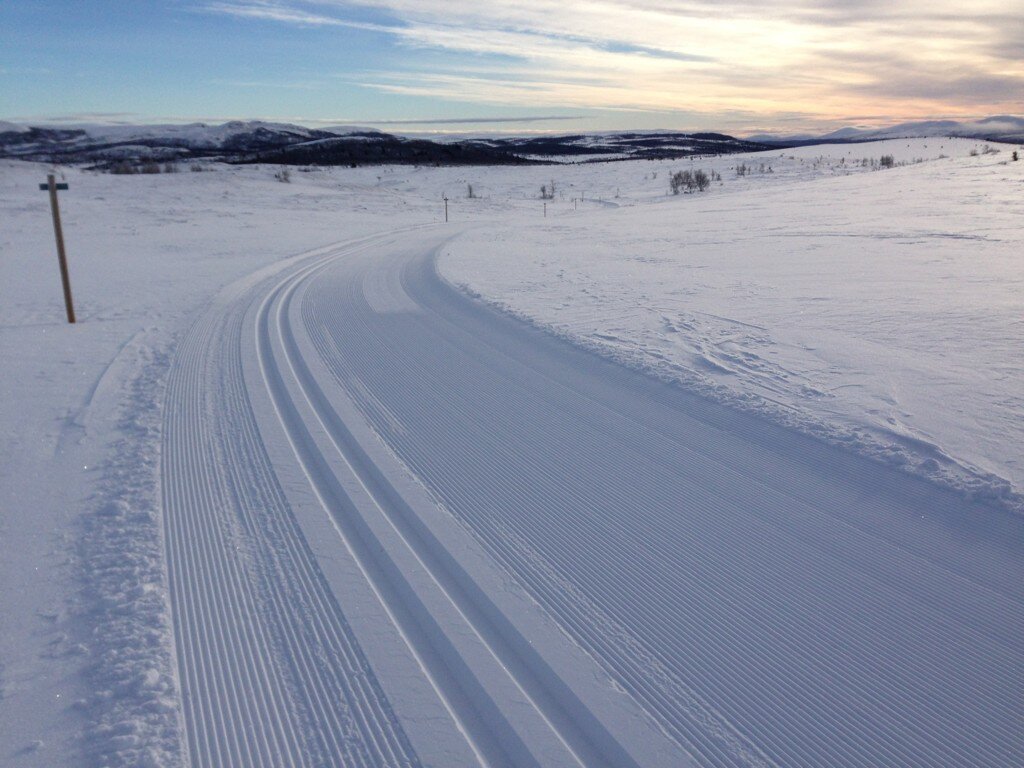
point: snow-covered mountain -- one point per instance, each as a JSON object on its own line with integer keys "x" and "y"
{"x": 622, "y": 145}
{"x": 257, "y": 141}
{"x": 104, "y": 143}
{"x": 995, "y": 128}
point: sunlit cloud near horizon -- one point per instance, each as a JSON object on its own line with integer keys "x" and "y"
{"x": 742, "y": 65}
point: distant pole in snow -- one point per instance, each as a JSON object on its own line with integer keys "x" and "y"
{"x": 52, "y": 186}
{"x": 446, "y": 209}
{"x": 545, "y": 210}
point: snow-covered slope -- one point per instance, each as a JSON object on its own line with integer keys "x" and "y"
{"x": 199, "y": 135}
{"x": 1006, "y": 127}
{"x": 618, "y": 145}
{"x": 6, "y": 127}
{"x": 880, "y": 310}
{"x": 547, "y": 555}
{"x": 339, "y": 145}
{"x": 81, "y": 143}
{"x": 996, "y": 127}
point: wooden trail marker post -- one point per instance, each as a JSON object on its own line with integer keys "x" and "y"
{"x": 52, "y": 186}
{"x": 445, "y": 208}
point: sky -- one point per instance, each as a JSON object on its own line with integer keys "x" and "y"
{"x": 739, "y": 66}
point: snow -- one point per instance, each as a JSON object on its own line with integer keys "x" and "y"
{"x": 878, "y": 310}
{"x": 199, "y": 135}
{"x": 79, "y": 444}
{"x": 1006, "y": 127}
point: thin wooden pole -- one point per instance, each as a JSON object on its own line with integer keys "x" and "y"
{"x": 51, "y": 182}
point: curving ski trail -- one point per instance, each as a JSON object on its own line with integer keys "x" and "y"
{"x": 402, "y": 530}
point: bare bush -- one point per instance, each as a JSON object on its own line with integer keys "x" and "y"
{"x": 283, "y": 175}
{"x": 687, "y": 181}
{"x": 680, "y": 181}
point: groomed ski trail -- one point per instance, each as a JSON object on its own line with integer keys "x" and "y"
{"x": 402, "y": 530}
{"x": 270, "y": 672}
{"x": 266, "y": 492}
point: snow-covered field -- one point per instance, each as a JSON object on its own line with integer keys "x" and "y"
{"x": 882, "y": 310}
{"x": 165, "y": 464}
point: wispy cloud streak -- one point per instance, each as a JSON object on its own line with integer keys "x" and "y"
{"x": 816, "y": 57}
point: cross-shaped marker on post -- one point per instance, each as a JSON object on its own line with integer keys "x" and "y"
{"x": 52, "y": 186}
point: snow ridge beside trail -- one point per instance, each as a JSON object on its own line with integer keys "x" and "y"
{"x": 133, "y": 714}
{"x": 913, "y": 455}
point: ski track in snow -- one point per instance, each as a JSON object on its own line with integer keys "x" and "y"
{"x": 569, "y": 563}
{"x": 270, "y": 672}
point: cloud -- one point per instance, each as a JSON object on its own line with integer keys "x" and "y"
{"x": 822, "y": 58}
{"x": 476, "y": 120}
{"x": 287, "y": 14}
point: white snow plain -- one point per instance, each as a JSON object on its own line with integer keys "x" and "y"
{"x": 880, "y": 310}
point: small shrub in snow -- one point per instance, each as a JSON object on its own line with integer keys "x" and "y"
{"x": 687, "y": 181}
{"x": 887, "y": 161}
{"x": 547, "y": 192}
{"x": 1014, "y": 156}
{"x": 150, "y": 168}
{"x": 679, "y": 181}
{"x": 283, "y": 175}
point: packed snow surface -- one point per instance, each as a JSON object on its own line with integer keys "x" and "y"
{"x": 286, "y": 495}
{"x": 882, "y": 310}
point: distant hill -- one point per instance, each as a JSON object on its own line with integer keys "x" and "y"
{"x": 262, "y": 142}
{"x": 104, "y": 144}
{"x": 996, "y": 128}
{"x": 627, "y": 145}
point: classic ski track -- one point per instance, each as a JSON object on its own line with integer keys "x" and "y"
{"x": 860, "y": 708}
{"x": 736, "y": 581}
{"x": 270, "y": 672}
{"x": 461, "y": 688}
